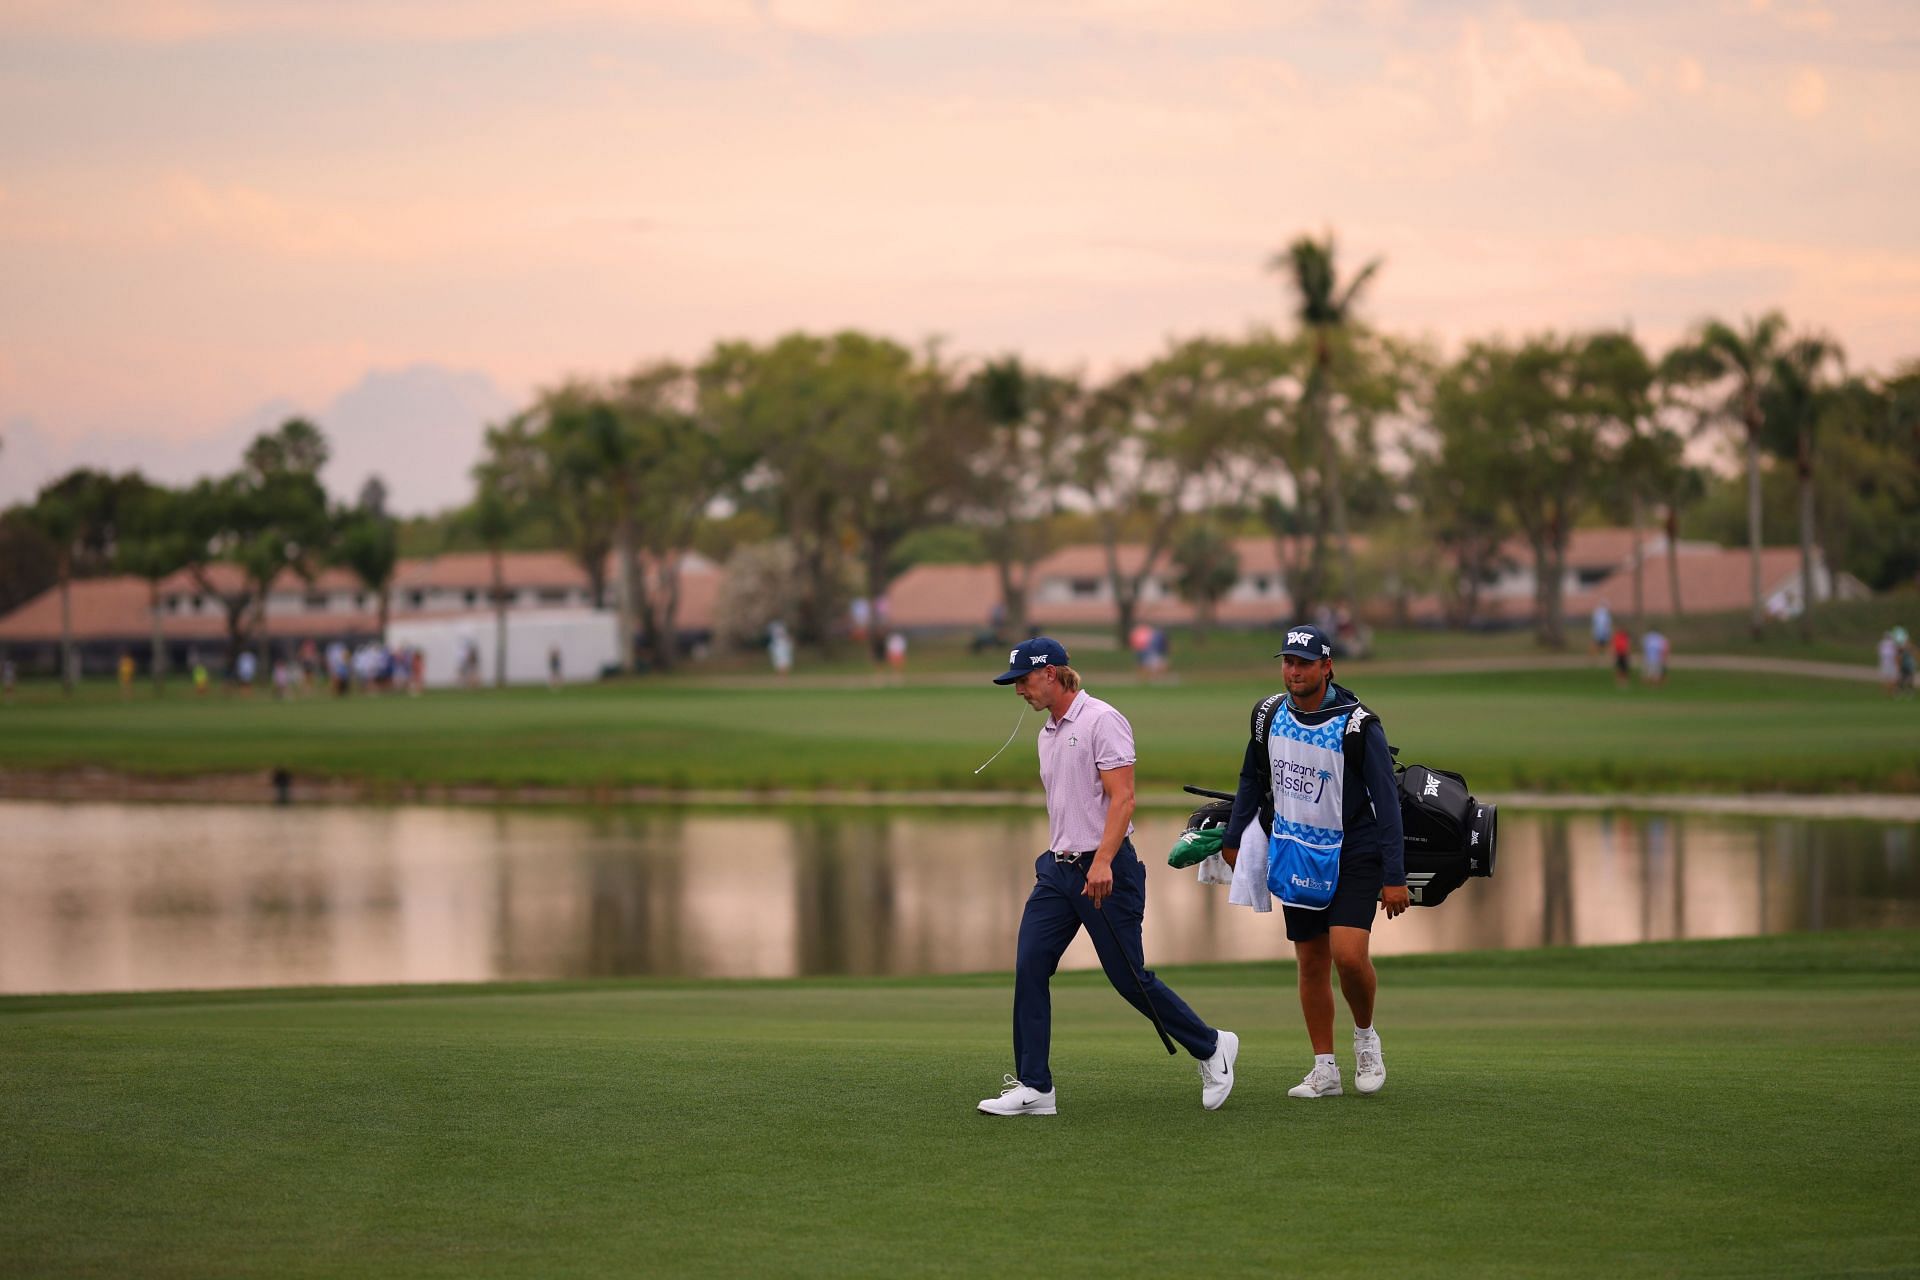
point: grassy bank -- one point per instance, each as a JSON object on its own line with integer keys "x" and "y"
{"x": 1553, "y": 730}
{"x": 1718, "y": 1109}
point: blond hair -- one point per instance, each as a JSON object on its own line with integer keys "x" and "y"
{"x": 1069, "y": 678}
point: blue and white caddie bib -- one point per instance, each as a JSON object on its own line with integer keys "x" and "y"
{"x": 1308, "y": 770}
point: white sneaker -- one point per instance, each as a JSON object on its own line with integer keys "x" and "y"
{"x": 1018, "y": 1100}
{"x": 1216, "y": 1073}
{"x": 1369, "y": 1068}
{"x": 1321, "y": 1082}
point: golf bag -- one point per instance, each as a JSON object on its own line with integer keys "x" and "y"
{"x": 1449, "y": 835}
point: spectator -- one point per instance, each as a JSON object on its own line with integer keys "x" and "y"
{"x": 553, "y": 667}
{"x": 125, "y": 671}
{"x": 1653, "y": 657}
{"x": 7, "y": 677}
{"x": 897, "y": 653}
{"x": 1622, "y": 656}
{"x": 1602, "y": 627}
{"x": 780, "y": 648}
{"x": 245, "y": 667}
{"x": 1889, "y": 655}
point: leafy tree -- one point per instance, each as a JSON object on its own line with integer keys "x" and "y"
{"x": 833, "y": 427}
{"x": 557, "y": 486}
{"x": 1010, "y": 481}
{"x": 1456, "y": 487}
{"x": 267, "y": 518}
{"x": 157, "y": 542}
{"x": 1869, "y": 478}
{"x": 80, "y": 515}
{"x": 1541, "y": 412}
{"x": 367, "y": 543}
{"x": 1731, "y": 368}
{"x": 29, "y": 559}
{"x": 1206, "y": 568}
{"x": 1137, "y": 452}
{"x": 675, "y": 466}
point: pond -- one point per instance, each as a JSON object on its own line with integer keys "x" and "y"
{"x": 112, "y": 897}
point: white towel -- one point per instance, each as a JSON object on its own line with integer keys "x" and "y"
{"x": 1215, "y": 871}
{"x": 1250, "y": 870}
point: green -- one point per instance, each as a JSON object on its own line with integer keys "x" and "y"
{"x": 1738, "y": 1108}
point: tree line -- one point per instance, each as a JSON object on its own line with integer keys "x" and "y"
{"x": 850, "y": 447}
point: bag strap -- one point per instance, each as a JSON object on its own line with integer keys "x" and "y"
{"x": 1263, "y": 713}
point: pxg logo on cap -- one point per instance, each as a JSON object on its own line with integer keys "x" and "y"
{"x": 1031, "y": 655}
{"x": 1306, "y": 641}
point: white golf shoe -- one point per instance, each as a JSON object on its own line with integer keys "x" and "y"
{"x": 1018, "y": 1100}
{"x": 1321, "y": 1082}
{"x": 1216, "y": 1073}
{"x": 1369, "y": 1068}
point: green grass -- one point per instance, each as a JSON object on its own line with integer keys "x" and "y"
{"x": 1556, "y": 730}
{"x": 1720, "y": 1109}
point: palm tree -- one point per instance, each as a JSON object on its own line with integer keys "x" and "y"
{"x": 1796, "y": 398}
{"x": 1326, "y": 309}
{"x": 1741, "y": 363}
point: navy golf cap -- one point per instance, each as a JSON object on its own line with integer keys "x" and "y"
{"x": 1031, "y": 655}
{"x": 1306, "y": 641}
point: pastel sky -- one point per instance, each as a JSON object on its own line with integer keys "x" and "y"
{"x": 215, "y": 210}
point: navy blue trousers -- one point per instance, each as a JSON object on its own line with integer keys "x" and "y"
{"x": 1056, "y": 910}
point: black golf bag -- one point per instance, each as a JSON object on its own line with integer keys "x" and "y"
{"x": 1449, "y": 835}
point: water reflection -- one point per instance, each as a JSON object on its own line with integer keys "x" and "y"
{"x": 117, "y": 897}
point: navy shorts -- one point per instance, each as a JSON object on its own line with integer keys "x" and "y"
{"x": 1355, "y": 900}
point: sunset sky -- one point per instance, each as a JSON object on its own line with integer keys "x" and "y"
{"x": 402, "y": 216}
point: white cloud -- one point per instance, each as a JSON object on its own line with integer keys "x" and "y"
{"x": 1518, "y": 61}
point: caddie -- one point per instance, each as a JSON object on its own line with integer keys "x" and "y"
{"x": 1089, "y": 876}
{"x": 1319, "y": 776}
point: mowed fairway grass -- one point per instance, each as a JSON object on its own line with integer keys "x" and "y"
{"x": 1561, "y": 730}
{"x": 1739, "y": 1108}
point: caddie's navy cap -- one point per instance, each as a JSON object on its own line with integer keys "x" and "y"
{"x": 1031, "y": 655}
{"x": 1306, "y": 641}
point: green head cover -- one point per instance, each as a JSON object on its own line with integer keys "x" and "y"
{"x": 1195, "y": 847}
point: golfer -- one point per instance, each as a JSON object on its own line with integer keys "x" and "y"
{"x": 1290, "y": 767}
{"x": 1088, "y": 876}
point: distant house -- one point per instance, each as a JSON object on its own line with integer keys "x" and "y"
{"x": 111, "y": 615}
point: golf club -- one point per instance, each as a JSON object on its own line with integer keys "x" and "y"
{"x": 1152, "y": 1012}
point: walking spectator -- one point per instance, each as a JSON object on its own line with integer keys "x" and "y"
{"x": 1622, "y": 656}
{"x": 1653, "y": 656}
{"x": 779, "y": 648}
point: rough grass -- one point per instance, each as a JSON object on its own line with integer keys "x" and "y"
{"x": 1718, "y": 1109}
{"x": 1553, "y": 730}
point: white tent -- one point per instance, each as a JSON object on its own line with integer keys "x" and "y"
{"x": 588, "y": 642}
